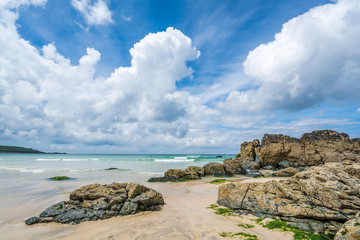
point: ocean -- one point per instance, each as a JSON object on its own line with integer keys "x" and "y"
{"x": 146, "y": 165}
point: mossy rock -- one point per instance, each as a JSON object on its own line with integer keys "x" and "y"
{"x": 60, "y": 178}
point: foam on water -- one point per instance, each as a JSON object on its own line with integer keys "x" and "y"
{"x": 174, "y": 160}
{"x": 48, "y": 159}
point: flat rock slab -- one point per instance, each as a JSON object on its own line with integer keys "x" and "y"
{"x": 320, "y": 199}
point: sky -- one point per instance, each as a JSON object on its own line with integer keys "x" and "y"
{"x": 180, "y": 76}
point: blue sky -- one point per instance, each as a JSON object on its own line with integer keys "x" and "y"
{"x": 201, "y": 76}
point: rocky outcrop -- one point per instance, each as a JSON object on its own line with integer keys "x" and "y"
{"x": 350, "y": 230}
{"x": 312, "y": 149}
{"x": 287, "y": 172}
{"x": 95, "y": 201}
{"x": 319, "y": 199}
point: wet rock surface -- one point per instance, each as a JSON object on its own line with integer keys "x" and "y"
{"x": 320, "y": 199}
{"x": 95, "y": 201}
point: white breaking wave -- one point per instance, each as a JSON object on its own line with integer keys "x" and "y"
{"x": 48, "y": 159}
{"x": 174, "y": 160}
{"x": 152, "y": 173}
{"x": 79, "y": 159}
{"x": 23, "y": 170}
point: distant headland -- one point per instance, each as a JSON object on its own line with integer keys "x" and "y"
{"x": 15, "y": 149}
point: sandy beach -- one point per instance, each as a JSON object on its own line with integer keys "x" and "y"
{"x": 185, "y": 215}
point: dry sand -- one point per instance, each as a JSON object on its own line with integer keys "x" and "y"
{"x": 185, "y": 216}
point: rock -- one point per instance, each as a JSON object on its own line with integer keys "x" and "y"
{"x": 95, "y": 201}
{"x": 276, "y": 148}
{"x": 215, "y": 169}
{"x": 111, "y": 169}
{"x": 149, "y": 198}
{"x": 176, "y": 173}
{"x": 233, "y": 166}
{"x": 129, "y": 208}
{"x": 284, "y": 164}
{"x": 134, "y": 189}
{"x": 350, "y": 230}
{"x": 250, "y": 165}
{"x": 328, "y": 146}
{"x": 34, "y": 220}
{"x": 287, "y": 172}
{"x": 195, "y": 171}
{"x": 89, "y": 192}
{"x": 250, "y": 151}
{"x": 312, "y": 149}
{"x": 254, "y": 173}
{"x": 327, "y": 195}
{"x": 179, "y": 175}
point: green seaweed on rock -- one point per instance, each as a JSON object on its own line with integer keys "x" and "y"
{"x": 298, "y": 233}
{"x": 59, "y": 178}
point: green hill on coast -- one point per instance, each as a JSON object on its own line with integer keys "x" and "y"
{"x": 14, "y": 149}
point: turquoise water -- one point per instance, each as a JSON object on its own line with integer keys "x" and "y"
{"x": 139, "y": 164}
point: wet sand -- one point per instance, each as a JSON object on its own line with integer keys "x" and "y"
{"x": 184, "y": 216}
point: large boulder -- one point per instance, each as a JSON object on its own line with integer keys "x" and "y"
{"x": 95, "y": 201}
{"x": 277, "y": 147}
{"x": 250, "y": 151}
{"x": 233, "y": 166}
{"x": 321, "y": 198}
{"x": 195, "y": 171}
{"x": 214, "y": 169}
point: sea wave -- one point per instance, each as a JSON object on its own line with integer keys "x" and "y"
{"x": 79, "y": 159}
{"x": 174, "y": 160}
{"x": 152, "y": 173}
{"x": 23, "y": 170}
{"x": 48, "y": 159}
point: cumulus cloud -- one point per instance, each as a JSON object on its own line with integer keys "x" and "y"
{"x": 315, "y": 57}
{"x": 95, "y": 13}
{"x": 42, "y": 94}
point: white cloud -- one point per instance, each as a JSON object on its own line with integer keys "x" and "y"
{"x": 358, "y": 110}
{"x": 43, "y": 94}
{"x": 138, "y": 108}
{"x": 127, "y": 19}
{"x": 315, "y": 57}
{"x": 95, "y": 13}
{"x": 17, "y": 3}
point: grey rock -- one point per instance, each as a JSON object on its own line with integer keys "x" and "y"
{"x": 128, "y": 208}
